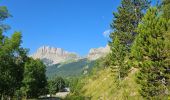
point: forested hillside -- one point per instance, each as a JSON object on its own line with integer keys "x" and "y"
{"x": 71, "y": 69}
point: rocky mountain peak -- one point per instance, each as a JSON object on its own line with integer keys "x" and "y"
{"x": 52, "y": 55}
{"x": 96, "y": 53}
{"x": 52, "y": 50}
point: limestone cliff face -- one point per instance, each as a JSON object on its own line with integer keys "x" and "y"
{"x": 51, "y": 55}
{"x": 96, "y": 53}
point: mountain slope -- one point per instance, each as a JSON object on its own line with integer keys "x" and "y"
{"x": 67, "y": 64}
{"x": 70, "y": 69}
{"x": 102, "y": 86}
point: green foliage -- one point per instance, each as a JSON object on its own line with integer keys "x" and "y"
{"x": 76, "y": 85}
{"x": 102, "y": 86}
{"x": 166, "y": 9}
{"x": 118, "y": 59}
{"x": 4, "y": 14}
{"x": 20, "y": 75}
{"x": 127, "y": 18}
{"x": 149, "y": 49}
{"x": 124, "y": 25}
{"x": 100, "y": 64}
{"x": 56, "y": 85}
{"x": 12, "y": 57}
{"x": 34, "y": 82}
{"x": 71, "y": 69}
{"x": 166, "y": 15}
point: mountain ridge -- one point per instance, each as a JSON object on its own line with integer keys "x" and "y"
{"x": 51, "y": 55}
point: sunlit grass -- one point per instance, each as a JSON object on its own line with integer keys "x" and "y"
{"x": 104, "y": 87}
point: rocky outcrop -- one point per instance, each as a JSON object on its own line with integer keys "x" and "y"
{"x": 51, "y": 55}
{"x": 96, "y": 53}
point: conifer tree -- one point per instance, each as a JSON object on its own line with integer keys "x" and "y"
{"x": 166, "y": 9}
{"x": 127, "y": 18}
{"x": 124, "y": 25}
{"x": 166, "y": 14}
{"x": 149, "y": 49}
{"x": 119, "y": 67}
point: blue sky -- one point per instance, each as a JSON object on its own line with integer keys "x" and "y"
{"x": 74, "y": 25}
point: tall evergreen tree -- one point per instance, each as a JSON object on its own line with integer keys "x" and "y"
{"x": 127, "y": 18}
{"x": 149, "y": 49}
{"x": 124, "y": 25}
{"x": 166, "y": 14}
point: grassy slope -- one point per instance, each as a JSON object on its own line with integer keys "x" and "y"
{"x": 102, "y": 86}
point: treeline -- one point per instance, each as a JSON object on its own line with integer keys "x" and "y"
{"x": 20, "y": 75}
{"x": 140, "y": 39}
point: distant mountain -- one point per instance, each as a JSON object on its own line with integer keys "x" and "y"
{"x": 67, "y": 64}
{"x": 51, "y": 55}
{"x": 71, "y": 69}
{"x": 96, "y": 53}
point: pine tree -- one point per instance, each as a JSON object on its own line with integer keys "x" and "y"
{"x": 149, "y": 49}
{"x": 127, "y": 18}
{"x": 166, "y": 14}
{"x": 119, "y": 67}
{"x": 124, "y": 25}
{"x": 166, "y": 9}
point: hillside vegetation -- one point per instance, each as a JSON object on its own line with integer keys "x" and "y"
{"x": 70, "y": 69}
{"x": 103, "y": 86}
{"x": 138, "y": 66}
